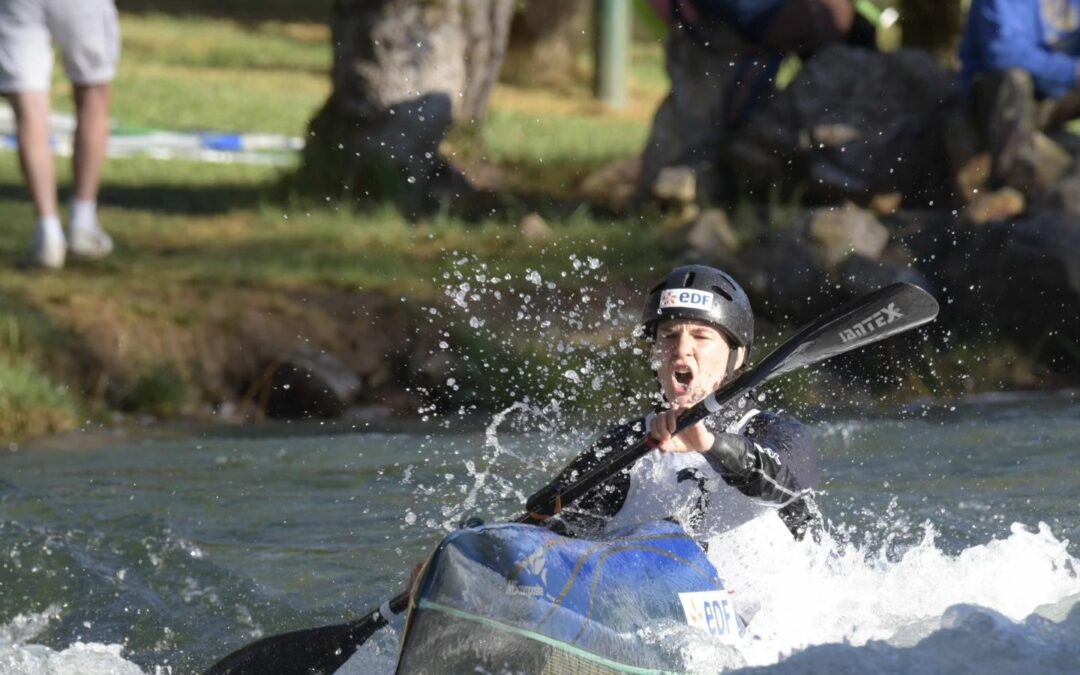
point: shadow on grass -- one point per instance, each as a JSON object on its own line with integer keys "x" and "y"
{"x": 220, "y": 198}
{"x": 183, "y": 200}
{"x": 170, "y": 199}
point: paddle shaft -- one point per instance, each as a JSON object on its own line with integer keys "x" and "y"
{"x": 871, "y": 318}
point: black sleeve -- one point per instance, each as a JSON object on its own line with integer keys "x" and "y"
{"x": 596, "y": 506}
{"x": 773, "y": 459}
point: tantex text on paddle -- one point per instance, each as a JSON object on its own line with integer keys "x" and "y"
{"x": 886, "y": 312}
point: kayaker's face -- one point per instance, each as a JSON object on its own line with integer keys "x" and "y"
{"x": 691, "y": 359}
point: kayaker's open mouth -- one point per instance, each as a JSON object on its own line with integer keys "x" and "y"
{"x": 684, "y": 376}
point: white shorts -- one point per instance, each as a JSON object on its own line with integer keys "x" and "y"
{"x": 87, "y": 31}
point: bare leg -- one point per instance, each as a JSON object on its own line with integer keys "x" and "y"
{"x": 86, "y": 238}
{"x": 32, "y": 118}
{"x": 91, "y": 138}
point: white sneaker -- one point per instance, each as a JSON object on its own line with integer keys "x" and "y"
{"x": 48, "y": 250}
{"x": 89, "y": 242}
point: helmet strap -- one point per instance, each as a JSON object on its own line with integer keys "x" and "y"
{"x": 730, "y": 368}
{"x": 732, "y": 360}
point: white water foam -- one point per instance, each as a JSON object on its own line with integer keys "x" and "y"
{"x": 839, "y": 608}
{"x": 19, "y": 657}
{"x": 1006, "y": 606}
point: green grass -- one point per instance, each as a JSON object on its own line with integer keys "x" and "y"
{"x": 193, "y": 237}
{"x": 30, "y": 403}
{"x": 647, "y": 68}
{"x": 188, "y": 222}
{"x": 248, "y": 11}
{"x": 201, "y": 73}
{"x": 241, "y": 235}
{"x": 197, "y": 42}
{"x": 516, "y": 137}
{"x": 198, "y": 244}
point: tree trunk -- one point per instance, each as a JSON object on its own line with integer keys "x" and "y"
{"x": 405, "y": 72}
{"x": 546, "y": 37}
{"x": 933, "y": 25}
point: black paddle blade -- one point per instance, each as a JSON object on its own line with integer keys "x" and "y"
{"x": 885, "y": 312}
{"x": 313, "y": 651}
{"x": 882, "y": 314}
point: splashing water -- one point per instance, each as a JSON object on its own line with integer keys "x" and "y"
{"x": 883, "y": 592}
{"x": 919, "y": 571}
{"x": 19, "y": 658}
{"x": 832, "y": 592}
{"x": 568, "y": 341}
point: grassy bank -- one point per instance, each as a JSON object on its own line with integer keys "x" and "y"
{"x": 200, "y": 245}
{"x": 211, "y": 258}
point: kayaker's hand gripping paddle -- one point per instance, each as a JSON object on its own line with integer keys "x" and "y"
{"x": 876, "y": 316}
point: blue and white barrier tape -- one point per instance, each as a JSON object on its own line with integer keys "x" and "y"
{"x": 270, "y": 149}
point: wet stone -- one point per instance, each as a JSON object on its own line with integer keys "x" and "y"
{"x": 841, "y": 232}
{"x": 310, "y": 383}
{"x": 676, "y": 184}
{"x": 613, "y": 185}
{"x": 998, "y": 205}
{"x": 533, "y": 227}
{"x": 712, "y": 232}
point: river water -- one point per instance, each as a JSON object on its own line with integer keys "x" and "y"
{"x": 951, "y": 547}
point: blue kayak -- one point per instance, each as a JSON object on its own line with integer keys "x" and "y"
{"x": 523, "y": 599}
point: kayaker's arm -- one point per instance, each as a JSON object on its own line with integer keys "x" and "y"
{"x": 773, "y": 459}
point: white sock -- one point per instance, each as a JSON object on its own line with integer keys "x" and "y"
{"x": 50, "y": 228}
{"x": 83, "y": 214}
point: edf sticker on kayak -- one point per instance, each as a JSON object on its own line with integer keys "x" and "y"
{"x": 685, "y": 297}
{"x": 714, "y": 612}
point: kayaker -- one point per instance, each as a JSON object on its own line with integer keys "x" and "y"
{"x": 714, "y": 476}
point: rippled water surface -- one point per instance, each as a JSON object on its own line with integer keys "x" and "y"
{"x": 952, "y": 540}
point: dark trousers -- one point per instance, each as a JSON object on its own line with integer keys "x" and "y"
{"x": 796, "y": 26}
{"x": 804, "y": 26}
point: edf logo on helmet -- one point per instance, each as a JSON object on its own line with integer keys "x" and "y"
{"x": 686, "y": 297}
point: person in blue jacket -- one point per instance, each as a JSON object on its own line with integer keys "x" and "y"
{"x": 1020, "y": 63}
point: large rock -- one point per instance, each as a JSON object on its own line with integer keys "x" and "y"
{"x": 711, "y": 232}
{"x": 676, "y": 184}
{"x": 1021, "y": 278}
{"x": 1066, "y": 194}
{"x": 1000, "y": 204}
{"x": 789, "y": 282}
{"x": 854, "y": 124}
{"x": 613, "y": 185}
{"x": 859, "y": 275}
{"x": 310, "y": 383}
{"x": 841, "y": 232}
{"x": 533, "y": 227}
